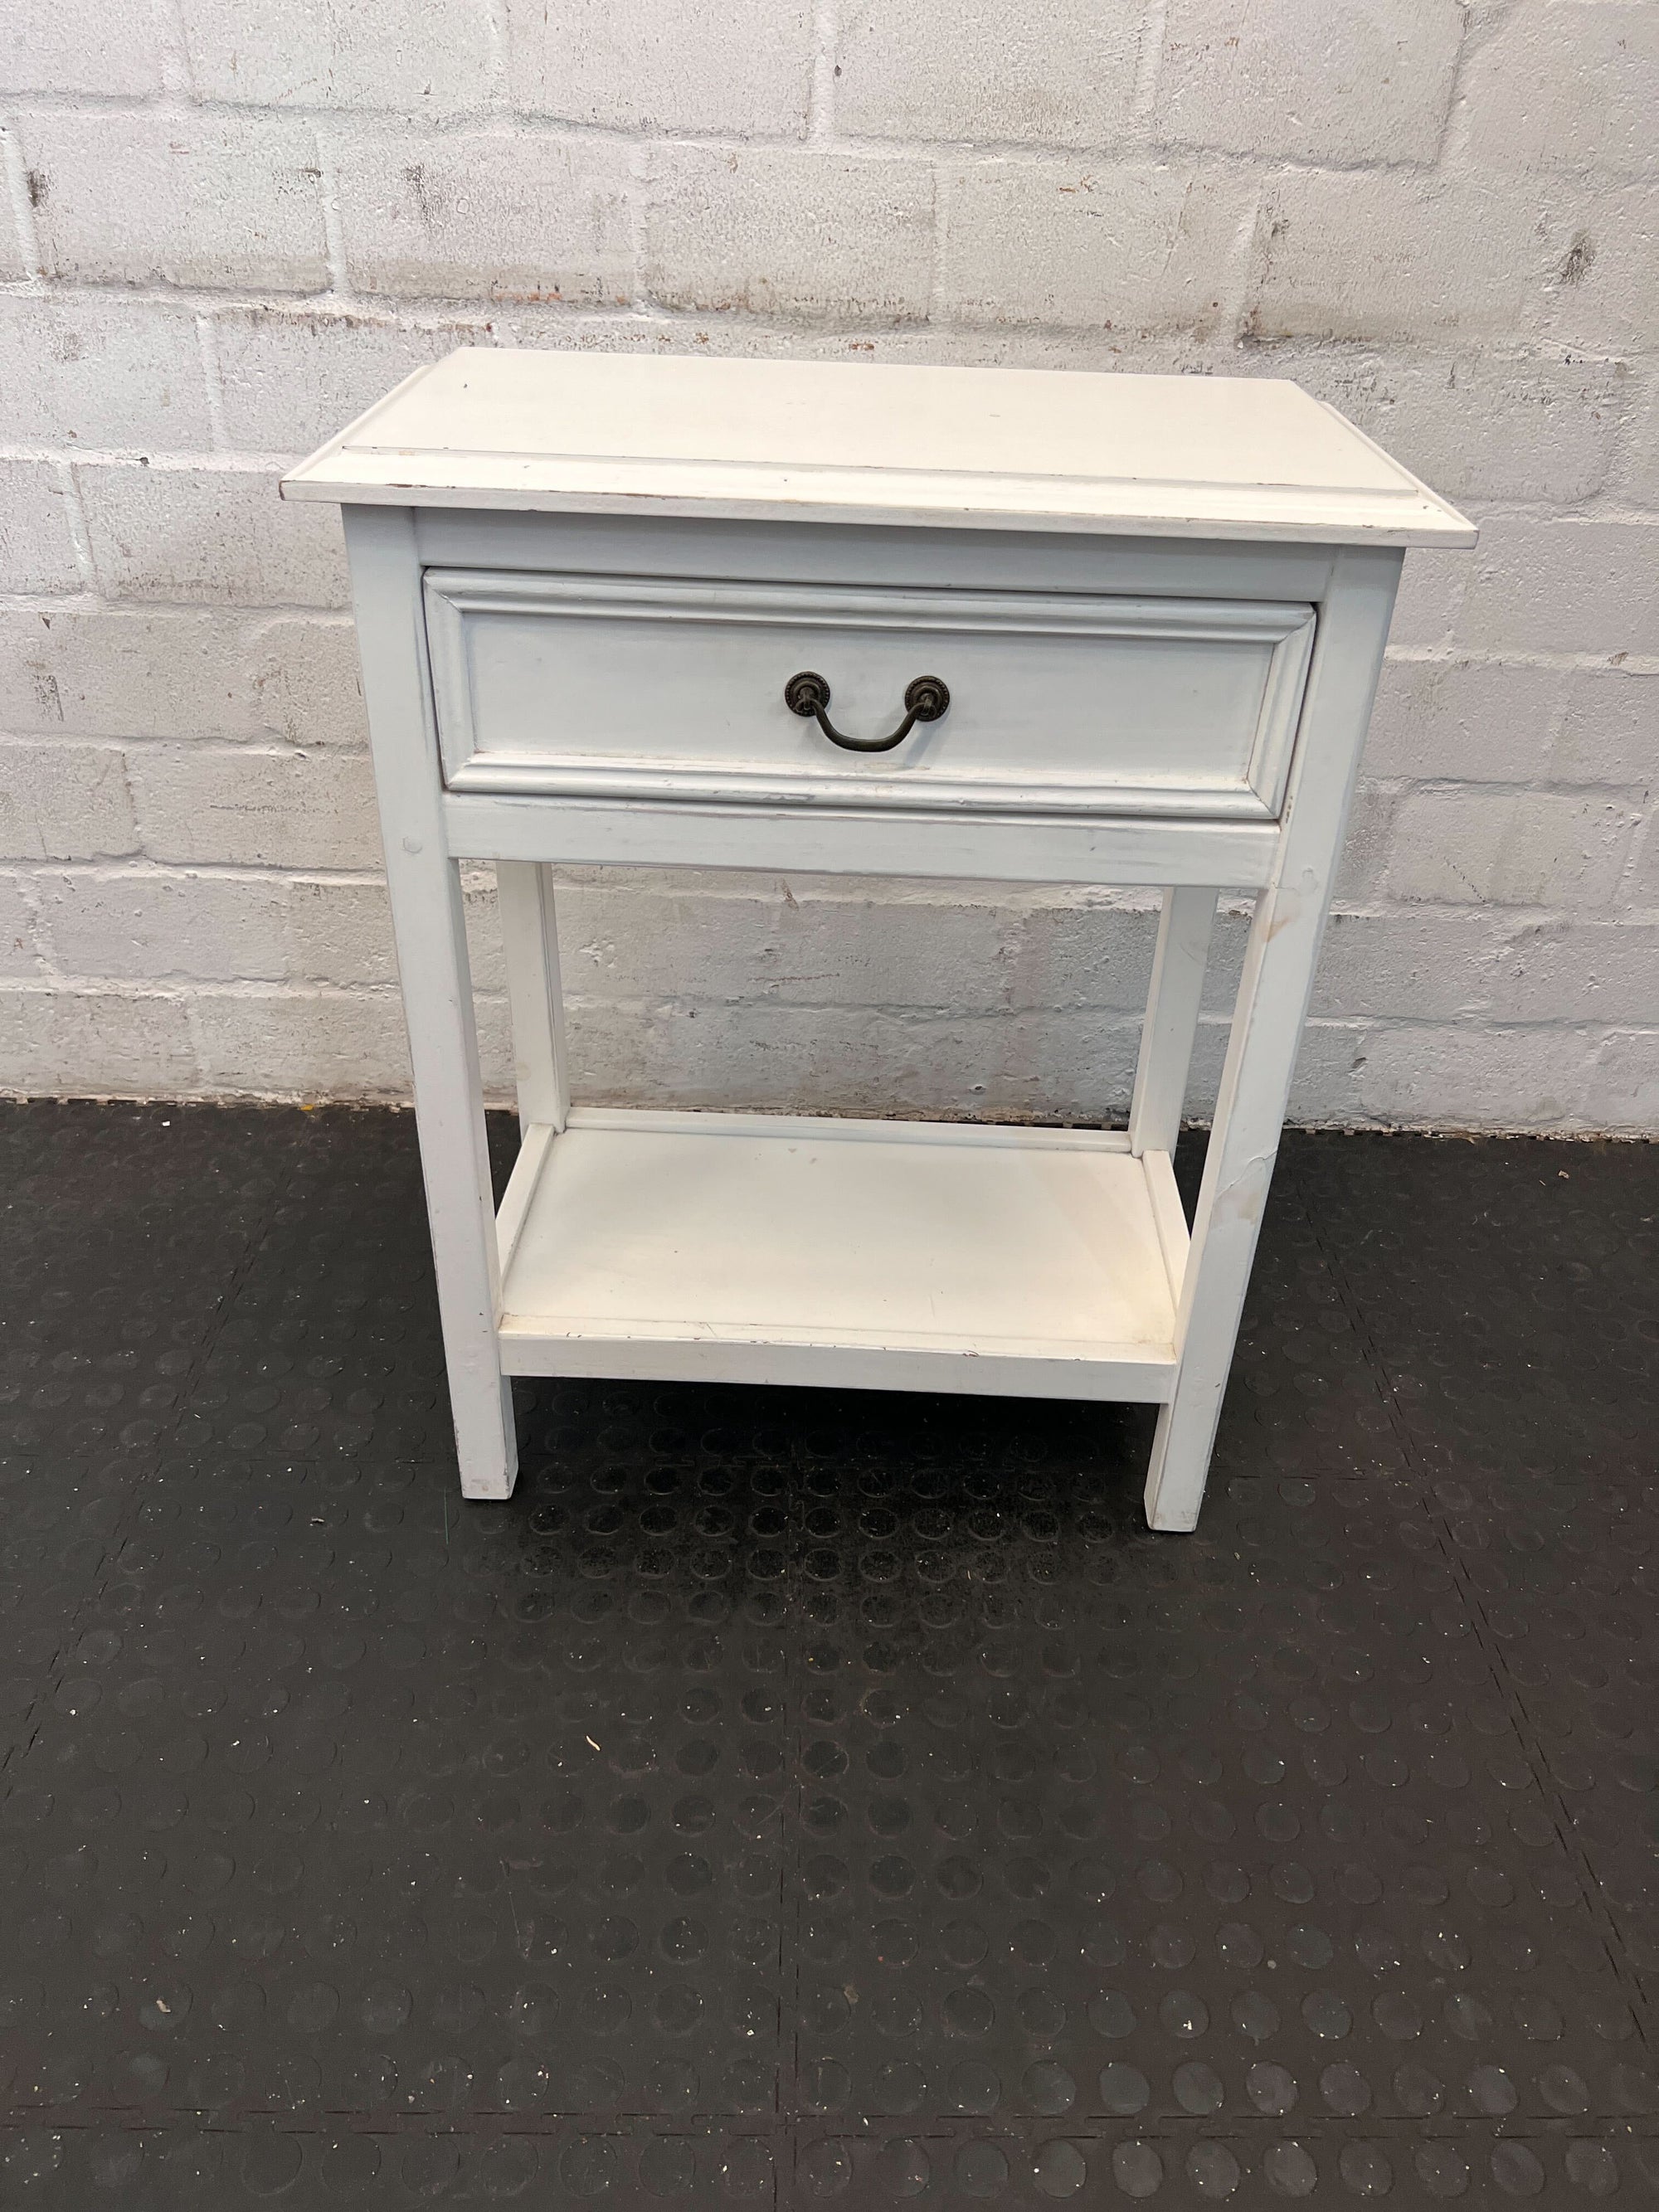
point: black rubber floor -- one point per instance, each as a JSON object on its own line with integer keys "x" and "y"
{"x": 795, "y": 1797}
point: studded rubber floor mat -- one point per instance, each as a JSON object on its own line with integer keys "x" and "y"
{"x": 801, "y": 1798}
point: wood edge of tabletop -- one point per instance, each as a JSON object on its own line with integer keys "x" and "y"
{"x": 1412, "y": 516}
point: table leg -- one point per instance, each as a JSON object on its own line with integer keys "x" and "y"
{"x": 428, "y": 925}
{"x": 1172, "y": 1006}
{"x": 1243, "y": 1146}
{"x": 529, "y": 941}
{"x": 1285, "y": 935}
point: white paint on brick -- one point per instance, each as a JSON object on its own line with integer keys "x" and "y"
{"x": 338, "y": 930}
{"x": 1365, "y": 855}
{"x": 252, "y": 220}
{"x": 769, "y": 230}
{"x": 1574, "y": 584}
{"x": 1642, "y": 886}
{"x": 300, "y": 1044}
{"x": 209, "y": 535}
{"x": 37, "y": 544}
{"x": 1125, "y": 249}
{"x": 1078, "y": 954}
{"x": 1422, "y": 964}
{"x": 1391, "y": 254}
{"x": 1560, "y": 971}
{"x": 88, "y": 370}
{"x": 1609, "y": 729}
{"x": 1434, "y": 718}
{"x": 1345, "y": 80}
{"x": 1568, "y": 84}
{"x": 307, "y": 680}
{"x": 743, "y": 66}
{"x": 18, "y": 255}
{"x": 1477, "y": 427}
{"x": 1562, "y": 849}
{"x": 291, "y": 377}
{"x": 77, "y": 47}
{"x": 1431, "y": 588}
{"x": 153, "y": 199}
{"x": 1641, "y": 478}
{"x": 817, "y": 944}
{"x": 147, "y": 924}
{"x": 180, "y": 925}
{"x": 486, "y": 215}
{"x": 103, "y": 672}
{"x": 845, "y": 1060}
{"x": 1603, "y": 294}
{"x": 986, "y": 71}
{"x": 122, "y": 1044}
{"x": 1542, "y": 1074}
{"x": 1325, "y": 1088}
{"x": 20, "y": 952}
{"x": 1624, "y": 1081}
{"x": 340, "y": 53}
{"x": 60, "y": 801}
{"x": 255, "y": 809}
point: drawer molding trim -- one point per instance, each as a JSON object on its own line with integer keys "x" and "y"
{"x": 496, "y": 746}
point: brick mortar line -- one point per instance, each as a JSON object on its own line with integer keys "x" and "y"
{"x": 171, "y": 51}
{"x": 401, "y": 310}
{"x": 904, "y": 1012}
{"x": 390, "y": 310}
{"x": 1550, "y": 661}
{"x": 1515, "y": 922}
{"x": 223, "y": 613}
{"x": 90, "y": 601}
{"x": 823, "y": 44}
{"x": 1148, "y": 62}
{"x": 207, "y": 339}
{"x": 1451, "y": 153}
{"x": 136, "y": 868}
{"x": 334, "y": 238}
{"x": 257, "y": 745}
{"x": 1514, "y": 925}
{"x": 1137, "y": 148}
{"x": 942, "y": 209}
{"x": 17, "y": 192}
{"x": 1140, "y": 145}
{"x": 192, "y": 987}
{"x": 158, "y": 460}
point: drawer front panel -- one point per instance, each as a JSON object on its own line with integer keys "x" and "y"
{"x": 659, "y": 687}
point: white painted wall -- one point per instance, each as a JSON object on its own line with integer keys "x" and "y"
{"x": 231, "y": 223}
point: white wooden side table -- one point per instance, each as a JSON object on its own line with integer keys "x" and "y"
{"x": 1015, "y": 626}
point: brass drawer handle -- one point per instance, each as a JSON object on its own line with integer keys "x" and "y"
{"x": 806, "y": 695}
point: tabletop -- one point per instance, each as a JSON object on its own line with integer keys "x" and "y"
{"x": 1033, "y": 449}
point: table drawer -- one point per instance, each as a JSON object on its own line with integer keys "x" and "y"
{"x": 1059, "y": 703}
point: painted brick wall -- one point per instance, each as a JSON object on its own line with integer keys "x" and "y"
{"x": 231, "y": 223}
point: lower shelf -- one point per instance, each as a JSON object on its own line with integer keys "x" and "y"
{"x": 923, "y": 1255}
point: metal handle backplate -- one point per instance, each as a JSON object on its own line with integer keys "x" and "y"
{"x": 925, "y": 699}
